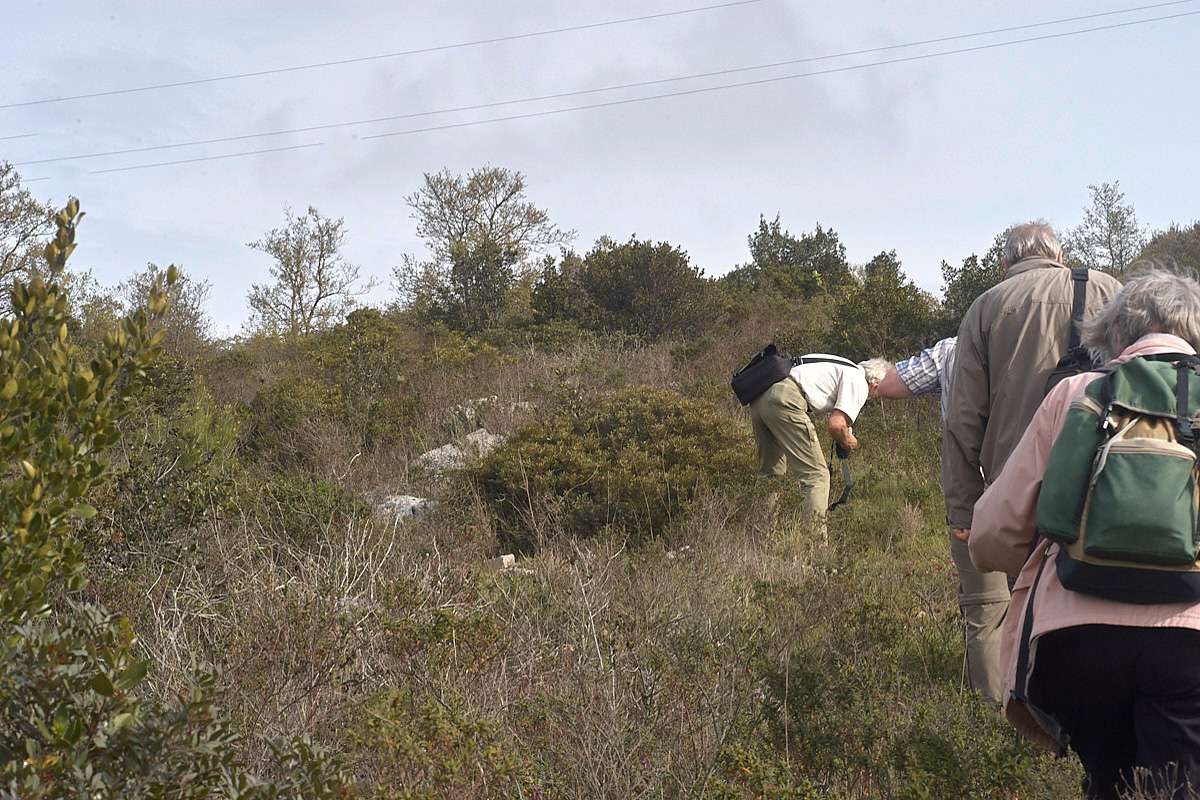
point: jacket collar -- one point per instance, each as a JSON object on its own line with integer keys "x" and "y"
{"x": 1032, "y": 263}
{"x": 1153, "y": 343}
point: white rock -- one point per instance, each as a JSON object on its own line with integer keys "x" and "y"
{"x": 479, "y": 443}
{"x": 404, "y": 506}
{"x": 501, "y": 563}
{"x": 446, "y": 458}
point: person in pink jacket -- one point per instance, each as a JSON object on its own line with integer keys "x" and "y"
{"x": 1120, "y": 681}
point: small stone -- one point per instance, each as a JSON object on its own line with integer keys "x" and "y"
{"x": 446, "y": 458}
{"x": 405, "y": 506}
{"x": 479, "y": 443}
{"x": 501, "y": 563}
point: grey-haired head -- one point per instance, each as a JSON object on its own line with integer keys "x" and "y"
{"x": 1154, "y": 300}
{"x": 875, "y": 370}
{"x": 1031, "y": 240}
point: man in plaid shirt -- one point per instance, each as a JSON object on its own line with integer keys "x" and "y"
{"x": 982, "y": 596}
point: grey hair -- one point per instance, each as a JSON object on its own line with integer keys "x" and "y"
{"x": 1031, "y": 239}
{"x": 1154, "y": 300}
{"x": 876, "y": 370}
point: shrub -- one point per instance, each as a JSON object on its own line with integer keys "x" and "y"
{"x": 629, "y": 462}
{"x": 416, "y": 746}
{"x": 300, "y": 505}
{"x": 647, "y": 290}
{"x": 72, "y": 723}
{"x": 281, "y": 414}
{"x": 176, "y": 466}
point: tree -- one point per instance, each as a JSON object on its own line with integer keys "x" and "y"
{"x": 1176, "y": 244}
{"x": 637, "y": 287}
{"x": 796, "y": 267}
{"x": 481, "y": 231}
{"x": 25, "y": 225}
{"x": 186, "y": 322}
{"x": 1109, "y": 238}
{"x": 885, "y": 315}
{"x": 961, "y": 285}
{"x": 313, "y": 283}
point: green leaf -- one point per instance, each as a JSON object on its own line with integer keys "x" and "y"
{"x": 83, "y": 511}
{"x": 102, "y": 685}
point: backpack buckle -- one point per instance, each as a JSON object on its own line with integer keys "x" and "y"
{"x": 1186, "y": 432}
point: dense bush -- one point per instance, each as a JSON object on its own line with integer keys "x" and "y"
{"x": 629, "y": 463}
{"x": 793, "y": 267}
{"x": 72, "y": 720}
{"x": 282, "y": 417}
{"x": 647, "y": 290}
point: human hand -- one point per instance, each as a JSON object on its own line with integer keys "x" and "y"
{"x": 851, "y": 441}
{"x": 962, "y": 534}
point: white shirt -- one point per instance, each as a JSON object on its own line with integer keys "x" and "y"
{"x": 832, "y": 386}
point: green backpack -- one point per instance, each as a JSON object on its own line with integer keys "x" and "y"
{"x": 1120, "y": 491}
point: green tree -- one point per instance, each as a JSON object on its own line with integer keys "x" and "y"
{"x": 1109, "y": 238}
{"x": 480, "y": 230}
{"x": 312, "y": 284}
{"x": 25, "y": 224}
{"x": 1177, "y": 243}
{"x": 884, "y": 315}
{"x": 791, "y": 266}
{"x": 961, "y": 285}
{"x": 72, "y": 723}
{"x": 637, "y": 287}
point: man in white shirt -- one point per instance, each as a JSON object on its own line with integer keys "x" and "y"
{"x": 786, "y": 436}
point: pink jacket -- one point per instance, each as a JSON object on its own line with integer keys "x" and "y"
{"x": 1003, "y": 528}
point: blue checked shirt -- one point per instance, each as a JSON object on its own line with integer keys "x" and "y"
{"x": 930, "y": 371}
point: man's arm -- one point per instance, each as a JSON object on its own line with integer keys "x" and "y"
{"x": 966, "y": 421}
{"x": 840, "y": 429}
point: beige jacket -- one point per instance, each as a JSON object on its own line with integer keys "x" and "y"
{"x": 1005, "y": 524}
{"x": 1008, "y": 344}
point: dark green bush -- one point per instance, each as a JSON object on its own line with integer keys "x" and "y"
{"x": 417, "y": 746}
{"x": 301, "y": 505}
{"x": 628, "y": 463}
{"x": 280, "y": 415}
{"x": 176, "y": 465}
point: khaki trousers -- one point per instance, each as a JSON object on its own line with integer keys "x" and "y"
{"x": 787, "y": 442}
{"x": 983, "y": 600}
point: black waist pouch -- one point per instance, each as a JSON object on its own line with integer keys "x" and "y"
{"x": 765, "y": 370}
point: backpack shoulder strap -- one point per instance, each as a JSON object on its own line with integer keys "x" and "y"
{"x": 1079, "y": 280}
{"x": 845, "y": 362}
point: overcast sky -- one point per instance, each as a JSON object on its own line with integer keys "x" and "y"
{"x": 930, "y": 158}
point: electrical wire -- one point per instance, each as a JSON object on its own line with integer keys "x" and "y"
{"x": 379, "y": 56}
{"x": 212, "y": 158}
{"x": 596, "y": 90}
{"x": 18, "y": 136}
{"x": 705, "y": 89}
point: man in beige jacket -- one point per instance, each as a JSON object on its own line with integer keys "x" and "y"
{"x": 1009, "y": 342}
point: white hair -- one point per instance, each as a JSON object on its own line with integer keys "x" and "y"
{"x": 876, "y": 370}
{"x": 1154, "y": 300}
{"x": 1030, "y": 240}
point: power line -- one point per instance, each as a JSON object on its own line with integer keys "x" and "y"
{"x": 596, "y": 90}
{"x": 18, "y": 136}
{"x": 380, "y": 56}
{"x": 709, "y": 89}
{"x": 212, "y": 158}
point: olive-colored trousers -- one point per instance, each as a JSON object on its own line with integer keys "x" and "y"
{"x": 787, "y": 442}
{"x": 983, "y": 600}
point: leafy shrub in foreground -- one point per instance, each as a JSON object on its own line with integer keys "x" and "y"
{"x": 629, "y": 462}
{"x": 72, "y": 723}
